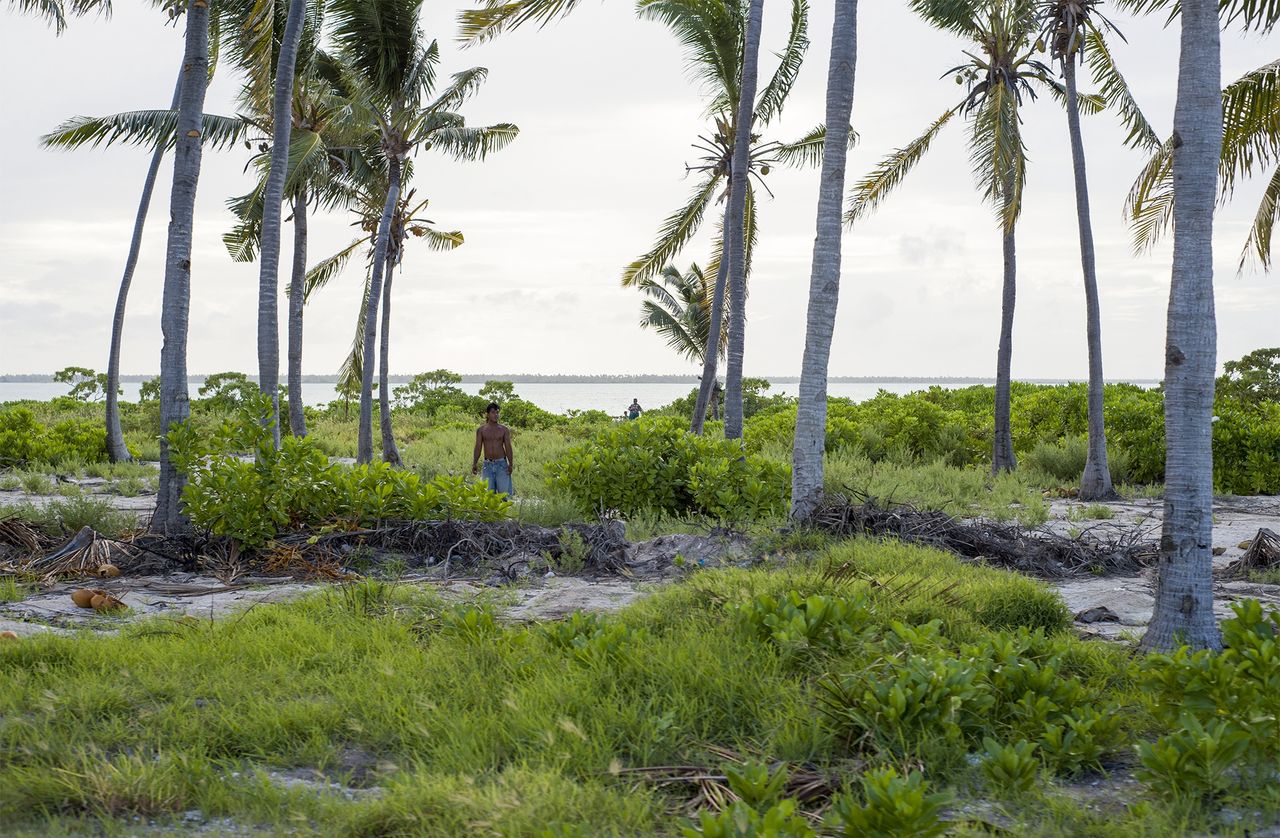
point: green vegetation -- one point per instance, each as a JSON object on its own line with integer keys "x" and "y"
{"x": 844, "y": 667}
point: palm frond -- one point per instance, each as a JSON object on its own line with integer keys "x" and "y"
{"x": 807, "y": 151}
{"x": 959, "y": 16}
{"x": 380, "y": 39}
{"x": 1260, "y": 15}
{"x": 1149, "y": 204}
{"x": 461, "y": 87}
{"x": 1257, "y": 247}
{"x": 438, "y": 239}
{"x": 463, "y": 143}
{"x": 712, "y": 32}
{"x": 997, "y": 154}
{"x": 1088, "y": 103}
{"x": 1250, "y": 115}
{"x": 675, "y": 232}
{"x": 141, "y": 128}
{"x": 494, "y": 17}
{"x": 351, "y": 373}
{"x": 869, "y": 192}
{"x": 322, "y": 272}
{"x": 774, "y": 95}
{"x": 1114, "y": 90}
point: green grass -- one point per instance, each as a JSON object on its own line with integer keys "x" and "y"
{"x": 11, "y": 590}
{"x": 471, "y": 726}
{"x": 1092, "y": 512}
{"x": 67, "y": 515}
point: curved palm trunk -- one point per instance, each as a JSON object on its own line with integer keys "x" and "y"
{"x": 1184, "y": 590}
{"x": 824, "y": 276}
{"x": 1002, "y": 458}
{"x": 389, "y": 452}
{"x": 297, "y": 299}
{"x": 711, "y": 353}
{"x": 175, "y": 308}
{"x": 736, "y": 250}
{"x": 364, "y": 444}
{"x": 117, "y": 451}
{"x": 273, "y": 199}
{"x": 1095, "y": 483}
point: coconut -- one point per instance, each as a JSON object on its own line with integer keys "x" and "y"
{"x": 8, "y": 635}
{"x": 106, "y": 602}
{"x": 109, "y": 570}
{"x": 84, "y": 597}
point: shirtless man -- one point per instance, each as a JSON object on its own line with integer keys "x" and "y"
{"x": 494, "y": 441}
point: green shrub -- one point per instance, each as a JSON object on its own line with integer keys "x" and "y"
{"x": 252, "y": 501}
{"x": 1011, "y": 769}
{"x": 656, "y": 465}
{"x": 800, "y": 624}
{"x": 1065, "y": 459}
{"x": 24, "y": 441}
{"x": 891, "y": 806}
{"x": 1214, "y": 701}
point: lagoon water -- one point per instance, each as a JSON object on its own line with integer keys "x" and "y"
{"x": 558, "y": 397}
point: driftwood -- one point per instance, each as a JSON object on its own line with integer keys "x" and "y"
{"x": 1263, "y": 554}
{"x": 1036, "y": 552}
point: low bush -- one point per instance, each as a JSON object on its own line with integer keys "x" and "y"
{"x": 657, "y": 466}
{"x": 295, "y": 486}
{"x": 24, "y": 441}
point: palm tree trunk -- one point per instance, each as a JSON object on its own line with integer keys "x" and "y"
{"x": 711, "y": 354}
{"x": 824, "y": 276}
{"x": 175, "y": 307}
{"x": 1002, "y": 458}
{"x": 734, "y": 231}
{"x": 364, "y": 444}
{"x": 1095, "y": 483}
{"x": 1184, "y": 590}
{"x": 116, "y": 449}
{"x": 389, "y": 452}
{"x": 273, "y": 198}
{"x": 297, "y": 299}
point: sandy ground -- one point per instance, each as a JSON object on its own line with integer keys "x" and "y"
{"x": 1121, "y": 606}
{"x": 1130, "y": 599}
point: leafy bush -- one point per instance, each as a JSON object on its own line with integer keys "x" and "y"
{"x": 252, "y": 501}
{"x": 23, "y": 440}
{"x": 891, "y": 806}
{"x": 1223, "y": 706}
{"x": 1010, "y": 768}
{"x": 798, "y": 624}
{"x": 655, "y": 465}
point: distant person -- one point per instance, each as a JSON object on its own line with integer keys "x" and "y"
{"x": 634, "y": 411}
{"x": 494, "y": 441}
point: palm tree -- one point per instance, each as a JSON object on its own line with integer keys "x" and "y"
{"x": 1001, "y": 71}
{"x": 1184, "y": 589}
{"x": 715, "y": 32}
{"x": 269, "y": 263}
{"x": 824, "y": 276}
{"x": 368, "y": 185}
{"x": 389, "y": 76}
{"x": 1071, "y": 32}
{"x": 176, "y": 302}
{"x": 678, "y": 307}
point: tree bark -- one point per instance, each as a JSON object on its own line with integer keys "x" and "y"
{"x": 273, "y": 199}
{"x": 364, "y": 444}
{"x": 117, "y": 451}
{"x": 297, "y": 300}
{"x": 175, "y": 308}
{"x": 1095, "y": 483}
{"x": 1002, "y": 458}
{"x": 734, "y": 232}
{"x": 824, "y": 275}
{"x": 1184, "y": 588}
{"x": 711, "y": 354}
{"x": 389, "y": 452}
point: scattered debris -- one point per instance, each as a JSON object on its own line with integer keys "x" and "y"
{"x": 1261, "y": 553}
{"x": 1035, "y": 552}
{"x": 1097, "y": 614}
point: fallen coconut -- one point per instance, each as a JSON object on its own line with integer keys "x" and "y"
{"x": 109, "y": 571}
{"x": 8, "y": 635}
{"x": 106, "y": 602}
{"x": 83, "y": 597}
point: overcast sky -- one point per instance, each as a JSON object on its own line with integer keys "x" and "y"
{"x": 607, "y": 114}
